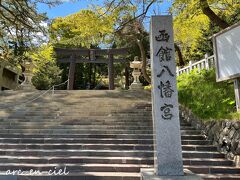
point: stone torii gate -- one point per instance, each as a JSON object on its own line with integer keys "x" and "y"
{"x": 77, "y": 55}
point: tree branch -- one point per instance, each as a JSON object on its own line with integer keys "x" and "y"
{"x": 15, "y": 15}
{"x": 212, "y": 16}
{"x": 133, "y": 19}
{"x": 144, "y": 61}
{"x": 179, "y": 53}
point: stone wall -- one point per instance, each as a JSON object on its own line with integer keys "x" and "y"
{"x": 9, "y": 75}
{"x": 225, "y": 134}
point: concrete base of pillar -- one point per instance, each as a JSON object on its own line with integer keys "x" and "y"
{"x": 26, "y": 88}
{"x": 148, "y": 174}
{"x": 136, "y": 86}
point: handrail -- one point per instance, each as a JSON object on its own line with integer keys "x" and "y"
{"x": 53, "y": 87}
{"x": 198, "y": 62}
{"x": 202, "y": 64}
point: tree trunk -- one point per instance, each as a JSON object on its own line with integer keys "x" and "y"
{"x": 179, "y": 53}
{"x": 144, "y": 61}
{"x": 90, "y": 75}
{"x": 94, "y": 75}
{"x": 212, "y": 16}
{"x": 127, "y": 82}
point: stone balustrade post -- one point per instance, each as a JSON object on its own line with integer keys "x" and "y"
{"x": 206, "y": 61}
{"x": 190, "y": 66}
{"x": 178, "y": 71}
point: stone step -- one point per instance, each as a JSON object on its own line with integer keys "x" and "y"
{"x": 57, "y": 122}
{"x": 80, "y": 112}
{"x": 80, "y": 119}
{"x": 76, "y": 131}
{"x": 76, "y": 152}
{"x": 196, "y": 142}
{"x": 74, "y": 136}
{"x": 207, "y": 161}
{"x": 220, "y": 176}
{"x": 76, "y": 160}
{"x": 79, "y": 128}
{"x": 114, "y": 140}
{"x": 67, "y": 104}
{"x": 92, "y": 131}
{"x": 71, "y": 101}
{"x": 199, "y": 148}
{"x": 87, "y": 122}
{"x": 202, "y": 154}
{"x": 109, "y": 160}
{"x": 117, "y": 106}
{"x": 102, "y": 146}
{"x": 114, "y": 111}
{"x": 79, "y": 124}
{"x": 79, "y": 146}
{"x": 192, "y": 137}
{"x": 112, "y": 168}
{"x": 208, "y": 169}
{"x": 93, "y": 127}
{"x": 82, "y": 176}
{"x": 108, "y": 153}
{"x": 93, "y": 140}
{"x": 75, "y": 167}
{"x": 84, "y": 119}
{"x": 127, "y": 136}
{"x": 76, "y": 140}
{"x": 43, "y": 117}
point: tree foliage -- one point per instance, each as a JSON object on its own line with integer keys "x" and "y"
{"x": 46, "y": 72}
{"x": 204, "y": 96}
{"x": 192, "y": 19}
{"x": 81, "y": 29}
{"x": 20, "y": 23}
{"x": 22, "y": 30}
{"x": 136, "y": 40}
{"x": 20, "y": 27}
{"x": 194, "y": 26}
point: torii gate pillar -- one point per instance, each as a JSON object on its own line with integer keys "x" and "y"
{"x": 71, "y": 73}
{"x": 111, "y": 72}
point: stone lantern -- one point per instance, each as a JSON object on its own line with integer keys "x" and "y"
{"x": 28, "y": 74}
{"x": 136, "y": 65}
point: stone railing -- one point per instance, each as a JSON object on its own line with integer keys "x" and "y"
{"x": 206, "y": 63}
{"x": 9, "y": 75}
{"x": 225, "y": 134}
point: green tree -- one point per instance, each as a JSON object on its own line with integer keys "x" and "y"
{"x": 140, "y": 10}
{"x": 136, "y": 40}
{"x": 46, "y": 72}
{"x": 20, "y": 24}
{"x": 197, "y": 20}
{"x": 82, "y": 29}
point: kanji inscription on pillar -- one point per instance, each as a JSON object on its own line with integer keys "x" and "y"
{"x": 168, "y": 151}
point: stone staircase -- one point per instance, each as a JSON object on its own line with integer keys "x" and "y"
{"x": 92, "y": 135}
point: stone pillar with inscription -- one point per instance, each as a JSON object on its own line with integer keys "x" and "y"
{"x": 168, "y": 151}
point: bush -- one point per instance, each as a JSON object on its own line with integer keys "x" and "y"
{"x": 204, "y": 96}
{"x": 46, "y": 76}
{"x": 46, "y": 72}
{"x": 149, "y": 87}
